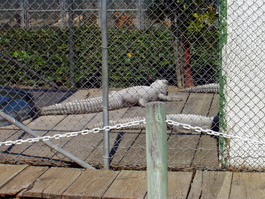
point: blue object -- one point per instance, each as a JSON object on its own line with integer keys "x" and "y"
{"x": 16, "y": 103}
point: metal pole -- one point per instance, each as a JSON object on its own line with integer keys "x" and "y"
{"x": 156, "y": 150}
{"x": 140, "y": 15}
{"x": 105, "y": 89}
{"x": 47, "y": 142}
{"x": 71, "y": 43}
{"x": 24, "y": 22}
{"x": 62, "y": 14}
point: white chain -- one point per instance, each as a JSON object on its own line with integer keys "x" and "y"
{"x": 72, "y": 134}
{"x": 129, "y": 124}
{"x": 214, "y": 133}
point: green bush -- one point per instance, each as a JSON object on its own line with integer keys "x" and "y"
{"x": 135, "y": 57}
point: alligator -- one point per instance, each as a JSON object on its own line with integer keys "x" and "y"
{"x": 206, "y": 88}
{"x": 117, "y": 99}
{"x": 190, "y": 119}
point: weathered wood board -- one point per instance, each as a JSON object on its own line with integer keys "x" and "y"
{"x": 214, "y": 108}
{"x": 22, "y": 181}
{"x": 124, "y": 140}
{"x": 136, "y": 155}
{"x": 248, "y": 185}
{"x": 128, "y": 184}
{"x": 210, "y": 184}
{"x": 198, "y": 104}
{"x": 7, "y": 172}
{"x": 53, "y": 183}
{"x": 178, "y": 184}
{"x": 181, "y": 150}
{"x": 176, "y": 107}
{"x": 90, "y": 184}
{"x": 206, "y": 155}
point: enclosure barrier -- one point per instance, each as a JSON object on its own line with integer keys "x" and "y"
{"x": 243, "y": 70}
{"x": 53, "y": 50}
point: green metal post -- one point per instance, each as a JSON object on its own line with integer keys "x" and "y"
{"x": 156, "y": 150}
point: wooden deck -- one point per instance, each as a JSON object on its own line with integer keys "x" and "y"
{"x": 69, "y": 183}
{"x": 186, "y": 149}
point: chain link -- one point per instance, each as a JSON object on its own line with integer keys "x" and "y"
{"x": 214, "y": 133}
{"x": 72, "y": 134}
{"x": 129, "y": 124}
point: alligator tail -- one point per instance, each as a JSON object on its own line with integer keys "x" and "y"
{"x": 192, "y": 120}
{"x": 207, "y": 88}
{"x": 83, "y": 106}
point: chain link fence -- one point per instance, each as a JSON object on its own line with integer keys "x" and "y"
{"x": 51, "y": 52}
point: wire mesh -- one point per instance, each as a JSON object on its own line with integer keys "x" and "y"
{"x": 51, "y": 52}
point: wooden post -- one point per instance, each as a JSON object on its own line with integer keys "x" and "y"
{"x": 156, "y": 150}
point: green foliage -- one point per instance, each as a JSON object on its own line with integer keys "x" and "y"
{"x": 134, "y": 56}
{"x": 196, "y": 22}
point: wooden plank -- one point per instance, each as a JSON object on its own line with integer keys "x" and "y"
{"x": 81, "y": 146}
{"x": 128, "y": 184}
{"x": 178, "y": 184}
{"x": 198, "y": 104}
{"x": 214, "y": 109}
{"x": 248, "y": 185}
{"x": 58, "y": 124}
{"x": 135, "y": 111}
{"x": 196, "y": 186}
{"x": 113, "y": 115}
{"x": 83, "y": 94}
{"x": 6, "y": 153}
{"x": 68, "y": 124}
{"x": 91, "y": 184}
{"x": 206, "y": 155}
{"x": 96, "y": 156}
{"x": 176, "y": 107}
{"x": 121, "y": 145}
{"x": 48, "y": 97}
{"x": 22, "y": 181}
{"x": 7, "y": 172}
{"x": 181, "y": 150}
{"x": 210, "y": 184}
{"x": 117, "y": 114}
{"x": 10, "y": 133}
{"x": 130, "y": 146}
{"x": 136, "y": 155}
{"x": 53, "y": 183}
{"x": 45, "y": 122}
{"x": 33, "y": 152}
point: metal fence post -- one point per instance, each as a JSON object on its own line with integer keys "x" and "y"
{"x": 71, "y": 43}
{"x": 156, "y": 150}
{"x": 140, "y": 14}
{"x": 47, "y": 142}
{"x": 105, "y": 89}
{"x": 24, "y": 14}
{"x": 62, "y": 13}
